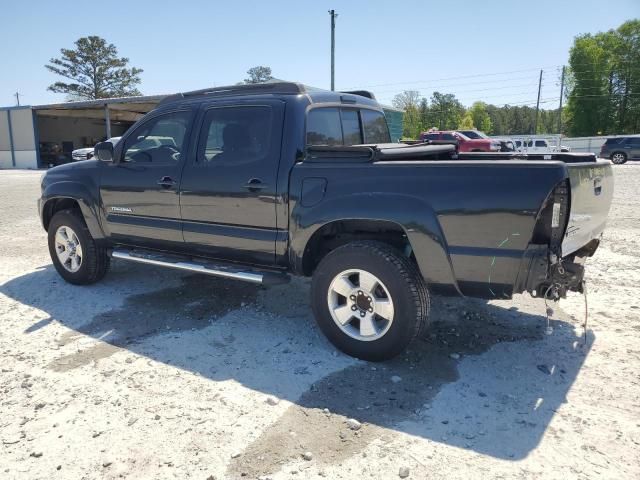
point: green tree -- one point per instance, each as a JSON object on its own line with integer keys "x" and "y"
{"x": 467, "y": 122}
{"x": 480, "y": 117}
{"x": 259, "y": 74}
{"x": 95, "y": 71}
{"x": 604, "y": 82}
{"x": 409, "y": 102}
{"x": 447, "y": 110}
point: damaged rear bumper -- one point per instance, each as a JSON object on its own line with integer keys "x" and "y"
{"x": 543, "y": 274}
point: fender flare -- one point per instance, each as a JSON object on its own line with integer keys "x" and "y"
{"x": 413, "y": 215}
{"x": 79, "y": 193}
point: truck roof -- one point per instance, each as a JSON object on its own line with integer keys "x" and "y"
{"x": 315, "y": 95}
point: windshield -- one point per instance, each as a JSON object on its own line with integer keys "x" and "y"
{"x": 474, "y": 134}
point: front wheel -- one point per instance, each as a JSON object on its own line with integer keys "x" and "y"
{"x": 75, "y": 254}
{"x": 369, "y": 300}
{"x": 619, "y": 158}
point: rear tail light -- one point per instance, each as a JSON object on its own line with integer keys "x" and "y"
{"x": 552, "y": 218}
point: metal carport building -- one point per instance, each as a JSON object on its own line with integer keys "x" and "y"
{"x": 37, "y": 136}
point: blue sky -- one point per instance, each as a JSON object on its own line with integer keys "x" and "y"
{"x": 489, "y": 50}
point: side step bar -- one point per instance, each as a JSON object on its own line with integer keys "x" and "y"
{"x": 218, "y": 270}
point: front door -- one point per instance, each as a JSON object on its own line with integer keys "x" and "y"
{"x": 228, "y": 190}
{"x": 140, "y": 191}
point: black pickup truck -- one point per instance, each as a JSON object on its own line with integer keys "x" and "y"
{"x": 257, "y": 182}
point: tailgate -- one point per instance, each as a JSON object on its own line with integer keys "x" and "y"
{"x": 591, "y": 194}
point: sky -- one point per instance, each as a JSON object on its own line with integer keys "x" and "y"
{"x": 491, "y": 50}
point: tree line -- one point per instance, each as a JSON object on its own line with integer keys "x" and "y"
{"x": 445, "y": 112}
{"x": 604, "y": 82}
{"x": 602, "y": 89}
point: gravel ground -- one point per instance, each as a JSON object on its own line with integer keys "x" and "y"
{"x": 154, "y": 374}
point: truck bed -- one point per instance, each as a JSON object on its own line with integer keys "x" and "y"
{"x": 473, "y": 216}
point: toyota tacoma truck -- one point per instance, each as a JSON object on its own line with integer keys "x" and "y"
{"x": 260, "y": 182}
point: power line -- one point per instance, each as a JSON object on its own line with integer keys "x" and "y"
{"x": 431, "y": 86}
{"x": 443, "y": 79}
{"x": 479, "y": 75}
{"x": 466, "y": 90}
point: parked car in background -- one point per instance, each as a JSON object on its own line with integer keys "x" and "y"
{"x": 87, "y": 153}
{"x": 539, "y": 144}
{"x": 506, "y": 144}
{"x": 621, "y": 149}
{"x": 51, "y": 154}
{"x": 465, "y": 144}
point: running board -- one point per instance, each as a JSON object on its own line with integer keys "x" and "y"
{"x": 191, "y": 265}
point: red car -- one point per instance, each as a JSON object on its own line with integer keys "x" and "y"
{"x": 465, "y": 144}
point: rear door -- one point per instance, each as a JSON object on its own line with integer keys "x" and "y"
{"x": 228, "y": 190}
{"x": 632, "y": 147}
{"x": 140, "y": 191}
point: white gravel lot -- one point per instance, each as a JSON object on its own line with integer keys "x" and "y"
{"x": 151, "y": 374}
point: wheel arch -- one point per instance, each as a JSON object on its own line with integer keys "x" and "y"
{"x": 68, "y": 195}
{"x": 403, "y": 221}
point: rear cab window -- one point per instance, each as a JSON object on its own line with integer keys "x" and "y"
{"x": 374, "y": 125}
{"x": 336, "y": 126}
{"x": 235, "y": 134}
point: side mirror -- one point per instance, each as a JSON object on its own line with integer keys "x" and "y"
{"x": 104, "y": 151}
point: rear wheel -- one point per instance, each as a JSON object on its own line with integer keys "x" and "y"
{"x": 619, "y": 158}
{"x": 75, "y": 254}
{"x": 369, "y": 300}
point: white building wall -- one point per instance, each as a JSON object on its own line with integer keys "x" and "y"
{"x": 17, "y": 138}
{"x": 24, "y": 139}
{"x": 6, "y": 159}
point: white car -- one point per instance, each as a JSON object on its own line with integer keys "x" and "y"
{"x": 87, "y": 153}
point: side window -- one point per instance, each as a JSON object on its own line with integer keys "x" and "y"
{"x": 239, "y": 134}
{"x": 351, "y": 127}
{"x": 528, "y": 143}
{"x": 518, "y": 143}
{"x": 324, "y": 127}
{"x": 375, "y": 127}
{"x": 432, "y": 136}
{"x": 448, "y": 136}
{"x": 634, "y": 141}
{"x": 541, "y": 143}
{"x": 160, "y": 140}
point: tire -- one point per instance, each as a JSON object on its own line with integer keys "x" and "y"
{"x": 93, "y": 260}
{"x": 400, "y": 289}
{"x": 619, "y": 158}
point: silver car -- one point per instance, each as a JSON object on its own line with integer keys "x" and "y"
{"x": 87, "y": 153}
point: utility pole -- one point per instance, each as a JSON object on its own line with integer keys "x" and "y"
{"x": 333, "y": 48}
{"x": 535, "y": 123}
{"x": 560, "y": 108}
{"x": 17, "y": 95}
